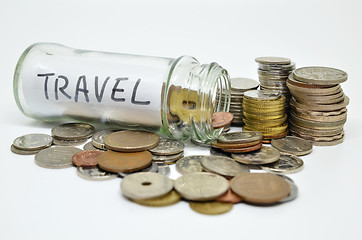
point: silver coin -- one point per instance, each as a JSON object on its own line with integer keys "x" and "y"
{"x": 223, "y": 166}
{"x": 23, "y": 152}
{"x": 145, "y": 185}
{"x": 163, "y": 169}
{"x": 95, "y": 174}
{"x": 293, "y": 190}
{"x": 240, "y": 137}
{"x": 267, "y": 67}
{"x": 320, "y": 75}
{"x": 98, "y": 138}
{"x": 90, "y": 146}
{"x": 219, "y": 152}
{"x": 189, "y": 164}
{"x": 243, "y": 84}
{"x": 63, "y": 142}
{"x": 286, "y": 164}
{"x": 153, "y": 167}
{"x": 201, "y": 186}
{"x": 73, "y": 131}
{"x": 56, "y": 157}
{"x": 293, "y": 145}
{"x": 35, "y": 141}
{"x": 263, "y": 156}
{"x": 167, "y": 158}
{"x": 168, "y": 146}
{"x": 262, "y": 94}
{"x": 273, "y": 60}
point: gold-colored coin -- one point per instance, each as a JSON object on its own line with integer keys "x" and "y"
{"x": 265, "y": 123}
{"x": 254, "y": 110}
{"x": 211, "y": 208}
{"x": 262, "y": 116}
{"x": 268, "y": 130}
{"x": 169, "y": 199}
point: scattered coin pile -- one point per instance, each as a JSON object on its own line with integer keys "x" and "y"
{"x": 273, "y": 73}
{"x": 318, "y": 107}
{"x": 264, "y": 111}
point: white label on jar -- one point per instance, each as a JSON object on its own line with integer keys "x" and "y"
{"x": 109, "y": 87}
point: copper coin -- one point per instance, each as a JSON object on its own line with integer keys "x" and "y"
{"x": 260, "y": 188}
{"x": 229, "y": 197}
{"x": 221, "y": 119}
{"x": 115, "y": 162}
{"x": 243, "y": 150}
{"x": 131, "y": 141}
{"x": 87, "y": 158}
{"x": 234, "y": 145}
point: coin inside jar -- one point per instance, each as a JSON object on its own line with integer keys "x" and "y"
{"x": 221, "y": 119}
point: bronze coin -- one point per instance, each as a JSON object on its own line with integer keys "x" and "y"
{"x": 243, "y": 150}
{"x": 115, "y": 162}
{"x": 87, "y": 158}
{"x": 131, "y": 141}
{"x": 221, "y": 119}
{"x": 234, "y": 145}
{"x": 260, "y": 188}
{"x": 229, "y": 197}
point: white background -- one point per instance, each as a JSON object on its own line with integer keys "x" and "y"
{"x": 38, "y": 203}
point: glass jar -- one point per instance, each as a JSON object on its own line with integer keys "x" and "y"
{"x": 175, "y": 97}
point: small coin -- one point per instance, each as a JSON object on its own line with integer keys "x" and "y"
{"x": 243, "y": 84}
{"x": 229, "y": 197}
{"x": 234, "y": 145}
{"x": 320, "y": 75}
{"x": 56, "y": 157}
{"x": 260, "y": 188}
{"x": 87, "y": 158}
{"x": 153, "y": 167}
{"x": 23, "y": 152}
{"x": 116, "y": 162}
{"x": 145, "y": 185}
{"x": 98, "y": 138}
{"x": 221, "y": 119}
{"x": 131, "y": 141}
{"x": 63, "y": 142}
{"x": 240, "y": 137}
{"x": 286, "y": 164}
{"x": 223, "y": 166}
{"x": 73, "y": 131}
{"x": 211, "y": 208}
{"x": 168, "y": 146}
{"x": 293, "y": 190}
{"x": 35, "y": 141}
{"x": 95, "y": 174}
{"x": 167, "y": 158}
{"x": 273, "y": 60}
{"x": 200, "y": 186}
{"x": 190, "y": 164}
{"x": 169, "y": 199}
{"x": 285, "y": 67}
{"x": 329, "y": 143}
{"x": 219, "y": 152}
{"x": 263, "y": 156}
{"x": 90, "y": 146}
{"x": 262, "y": 95}
{"x": 293, "y": 145}
{"x": 244, "y": 149}
{"x": 163, "y": 169}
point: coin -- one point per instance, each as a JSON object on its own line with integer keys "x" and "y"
{"x": 263, "y": 156}
{"x": 63, "y": 142}
{"x": 35, "y": 141}
{"x": 260, "y": 188}
{"x": 167, "y": 158}
{"x": 284, "y": 67}
{"x": 131, "y": 141}
{"x": 320, "y": 75}
{"x": 200, "y": 186}
{"x": 73, "y": 131}
{"x": 145, "y": 185}
{"x": 98, "y": 138}
{"x": 163, "y": 169}
{"x": 273, "y": 60}
{"x": 218, "y": 152}
{"x": 221, "y": 119}
{"x": 293, "y": 190}
{"x": 95, "y": 174}
{"x": 321, "y": 107}
{"x": 286, "y": 164}
{"x": 153, "y": 167}
{"x": 223, "y": 166}
{"x": 229, "y": 197}
{"x": 211, "y": 208}
{"x": 190, "y": 164}
{"x": 243, "y": 84}
{"x": 90, "y": 146}
{"x": 168, "y": 146}
{"x": 262, "y": 95}
{"x": 169, "y": 199}
{"x": 56, "y": 157}
{"x": 240, "y": 137}
{"x": 116, "y": 162}
{"x": 23, "y": 152}
{"x": 293, "y": 145}
{"x": 234, "y": 145}
{"x": 87, "y": 158}
{"x": 244, "y": 149}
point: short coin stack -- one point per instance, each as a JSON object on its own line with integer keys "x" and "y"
{"x": 273, "y": 73}
{"x": 168, "y": 151}
{"x": 70, "y": 134}
{"x": 239, "y": 142}
{"x": 318, "y": 106}
{"x": 264, "y": 111}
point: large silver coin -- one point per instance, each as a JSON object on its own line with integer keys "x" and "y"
{"x": 146, "y": 185}
{"x": 262, "y": 94}
{"x": 286, "y": 164}
{"x": 95, "y": 174}
{"x": 168, "y": 146}
{"x": 293, "y": 190}
{"x": 242, "y": 84}
{"x": 293, "y": 145}
{"x": 240, "y": 137}
{"x": 201, "y": 186}
{"x": 98, "y": 138}
{"x": 263, "y": 156}
{"x": 223, "y": 166}
{"x": 153, "y": 167}
{"x": 56, "y": 157}
{"x": 73, "y": 131}
{"x": 189, "y": 164}
{"x": 35, "y": 141}
{"x": 320, "y": 75}
{"x": 163, "y": 169}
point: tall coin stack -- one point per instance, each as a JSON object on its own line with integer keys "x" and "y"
{"x": 273, "y": 73}
{"x": 264, "y": 111}
{"x": 318, "y": 105}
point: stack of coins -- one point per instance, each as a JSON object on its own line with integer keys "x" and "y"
{"x": 31, "y": 143}
{"x": 318, "y": 106}
{"x": 168, "y": 151}
{"x": 238, "y": 87}
{"x": 264, "y": 111}
{"x": 273, "y": 73}
{"x": 70, "y": 134}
